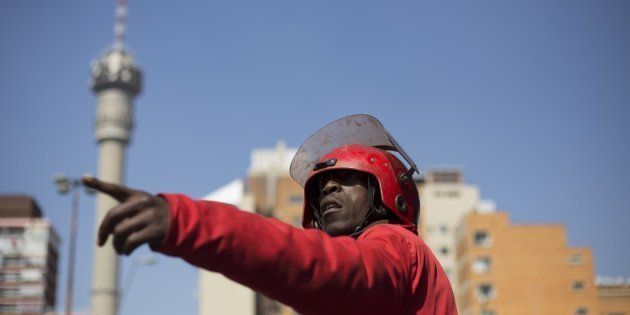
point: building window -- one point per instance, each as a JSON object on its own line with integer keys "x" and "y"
{"x": 4, "y": 308}
{"x": 12, "y": 261}
{"x": 31, "y": 291}
{"x": 296, "y": 199}
{"x": 575, "y": 259}
{"x": 481, "y": 239}
{"x": 446, "y": 193}
{"x": 30, "y": 308}
{"x": 581, "y": 311}
{"x": 9, "y": 292}
{"x": 10, "y": 277}
{"x": 444, "y": 250}
{"x": 443, "y": 228}
{"x": 35, "y": 261}
{"x": 578, "y": 286}
{"x": 481, "y": 265}
{"x": 451, "y": 177}
{"x": 14, "y": 231}
{"x": 31, "y": 275}
{"x": 485, "y": 292}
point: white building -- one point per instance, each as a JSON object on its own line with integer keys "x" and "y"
{"x": 218, "y": 294}
{"x": 29, "y": 253}
{"x": 444, "y": 201}
{"x": 268, "y": 187}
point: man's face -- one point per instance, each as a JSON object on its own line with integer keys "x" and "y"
{"x": 343, "y": 200}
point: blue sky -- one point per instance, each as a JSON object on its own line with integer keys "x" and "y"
{"x": 531, "y": 98}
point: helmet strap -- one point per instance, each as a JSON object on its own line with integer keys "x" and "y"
{"x": 372, "y": 209}
{"x": 318, "y": 217}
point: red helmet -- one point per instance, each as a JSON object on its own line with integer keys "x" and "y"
{"x": 358, "y": 142}
{"x": 398, "y": 192}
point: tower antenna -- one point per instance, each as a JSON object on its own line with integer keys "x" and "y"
{"x": 120, "y": 25}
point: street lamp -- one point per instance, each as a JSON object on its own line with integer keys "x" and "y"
{"x": 65, "y": 185}
{"x": 145, "y": 260}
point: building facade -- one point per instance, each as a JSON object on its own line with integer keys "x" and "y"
{"x": 275, "y": 194}
{"x": 613, "y": 295}
{"x": 218, "y": 294}
{"x": 444, "y": 201}
{"x": 521, "y": 269}
{"x": 29, "y": 253}
{"x": 270, "y": 191}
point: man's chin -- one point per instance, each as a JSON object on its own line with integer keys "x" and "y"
{"x": 336, "y": 228}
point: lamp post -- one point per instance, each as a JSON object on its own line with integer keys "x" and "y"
{"x": 147, "y": 260}
{"x": 65, "y": 185}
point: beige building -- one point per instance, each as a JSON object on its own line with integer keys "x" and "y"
{"x": 277, "y": 195}
{"x": 29, "y": 253}
{"x": 444, "y": 201}
{"x": 613, "y": 296}
{"x": 218, "y": 294}
{"x": 270, "y": 191}
{"x": 522, "y": 269}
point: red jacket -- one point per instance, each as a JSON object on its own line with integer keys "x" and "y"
{"x": 386, "y": 270}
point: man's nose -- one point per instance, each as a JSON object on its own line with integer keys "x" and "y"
{"x": 329, "y": 187}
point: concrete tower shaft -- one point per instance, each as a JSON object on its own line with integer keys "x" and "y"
{"x": 116, "y": 80}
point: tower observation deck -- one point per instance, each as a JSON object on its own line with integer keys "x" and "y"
{"x": 115, "y": 79}
{"x": 116, "y": 69}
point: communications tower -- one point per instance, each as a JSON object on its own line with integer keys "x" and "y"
{"x": 116, "y": 81}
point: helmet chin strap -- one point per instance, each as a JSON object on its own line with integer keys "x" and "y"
{"x": 318, "y": 218}
{"x": 371, "y": 208}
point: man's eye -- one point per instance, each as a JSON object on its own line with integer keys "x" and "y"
{"x": 354, "y": 176}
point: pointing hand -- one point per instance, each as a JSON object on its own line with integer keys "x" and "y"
{"x": 139, "y": 218}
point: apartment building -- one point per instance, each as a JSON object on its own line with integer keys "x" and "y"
{"x": 506, "y": 268}
{"x": 444, "y": 201}
{"x": 218, "y": 294}
{"x": 29, "y": 251}
{"x": 270, "y": 191}
{"x": 275, "y": 194}
{"x": 613, "y": 295}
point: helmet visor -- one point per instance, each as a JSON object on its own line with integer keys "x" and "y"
{"x": 354, "y": 129}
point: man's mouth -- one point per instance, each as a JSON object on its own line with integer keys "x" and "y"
{"x": 330, "y": 206}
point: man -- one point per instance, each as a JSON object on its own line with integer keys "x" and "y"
{"x": 359, "y": 253}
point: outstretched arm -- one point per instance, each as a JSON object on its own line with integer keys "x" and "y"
{"x": 306, "y": 269}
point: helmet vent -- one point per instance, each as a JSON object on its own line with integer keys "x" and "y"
{"x": 324, "y": 164}
{"x": 401, "y": 205}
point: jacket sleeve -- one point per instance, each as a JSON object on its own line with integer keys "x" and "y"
{"x": 305, "y": 269}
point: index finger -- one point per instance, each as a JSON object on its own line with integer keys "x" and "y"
{"x": 118, "y": 192}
